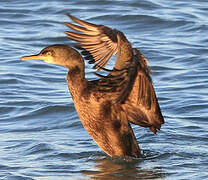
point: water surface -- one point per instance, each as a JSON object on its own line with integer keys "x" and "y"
{"x": 41, "y": 134}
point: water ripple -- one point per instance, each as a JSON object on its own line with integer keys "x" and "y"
{"x": 41, "y": 134}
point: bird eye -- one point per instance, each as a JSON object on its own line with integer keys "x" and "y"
{"x": 46, "y": 53}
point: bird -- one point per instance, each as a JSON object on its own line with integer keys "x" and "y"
{"x": 108, "y": 105}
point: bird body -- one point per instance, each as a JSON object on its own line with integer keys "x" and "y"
{"x": 106, "y": 106}
{"x": 105, "y": 121}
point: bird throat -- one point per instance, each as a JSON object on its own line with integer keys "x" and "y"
{"x": 75, "y": 76}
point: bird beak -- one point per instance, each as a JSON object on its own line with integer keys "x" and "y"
{"x": 47, "y": 58}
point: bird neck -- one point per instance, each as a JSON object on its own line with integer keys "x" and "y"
{"x": 76, "y": 79}
{"x": 76, "y": 73}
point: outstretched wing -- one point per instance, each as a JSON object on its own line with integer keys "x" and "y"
{"x": 97, "y": 42}
{"x": 132, "y": 88}
{"x": 142, "y": 107}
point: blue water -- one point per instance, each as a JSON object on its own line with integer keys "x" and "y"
{"x": 41, "y": 134}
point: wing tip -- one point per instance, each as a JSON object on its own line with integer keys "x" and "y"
{"x": 66, "y": 23}
{"x": 67, "y": 32}
{"x": 156, "y": 126}
{"x": 89, "y": 25}
{"x": 70, "y": 16}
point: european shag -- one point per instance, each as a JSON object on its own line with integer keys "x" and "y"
{"x": 108, "y": 105}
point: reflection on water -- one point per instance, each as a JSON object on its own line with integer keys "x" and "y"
{"x": 41, "y": 134}
{"x": 117, "y": 169}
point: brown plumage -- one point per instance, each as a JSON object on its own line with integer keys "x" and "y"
{"x": 107, "y": 106}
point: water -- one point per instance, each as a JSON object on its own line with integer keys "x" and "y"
{"x": 41, "y": 134}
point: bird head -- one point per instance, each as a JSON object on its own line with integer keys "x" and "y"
{"x": 59, "y": 54}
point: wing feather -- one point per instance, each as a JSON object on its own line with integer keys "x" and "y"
{"x": 100, "y": 41}
{"x": 87, "y": 25}
{"x": 135, "y": 93}
{"x": 142, "y": 106}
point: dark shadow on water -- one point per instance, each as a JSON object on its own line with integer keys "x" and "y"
{"x": 122, "y": 169}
